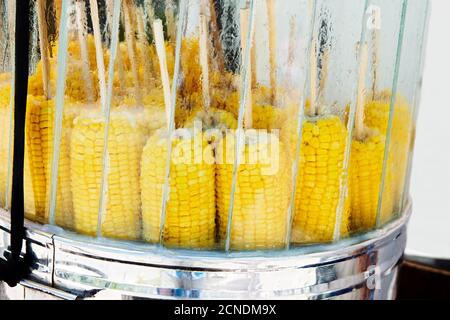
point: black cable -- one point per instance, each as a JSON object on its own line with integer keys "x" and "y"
{"x": 16, "y": 267}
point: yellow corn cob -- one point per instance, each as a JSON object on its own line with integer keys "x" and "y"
{"x": 4, "y": 141}
{"x": 64, "y": 207}
{"x": 319, "y": 181}
{"x": 190, "y": 216}
{"x": 38, "y": 162}
{"x": 377, "y": 116}
{"x": 121, "y": 216}
{"x": 366, "y": 169}
{"x": 262, "y": 194}
{"x": 34, "y": 177}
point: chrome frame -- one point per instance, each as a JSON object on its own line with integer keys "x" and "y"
{"x": 70, "y": 266}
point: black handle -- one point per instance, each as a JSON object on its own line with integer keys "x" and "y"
{"x": 16, "y": 267}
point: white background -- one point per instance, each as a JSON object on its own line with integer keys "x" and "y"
{"x": 430, "y": 226}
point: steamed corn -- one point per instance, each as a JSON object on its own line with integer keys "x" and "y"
{"x": 190, "y": 214}
{"x": 38, "y": 163}
{"x": 64, "y": 207}
{"x": 262, "y": 194}
{"x": 35, "y": 182}
{"x": 366, "y": 167}
{"x": 319, "y": 181}
{"x": 120, "y": 218}
{"x": 377, "y": 116}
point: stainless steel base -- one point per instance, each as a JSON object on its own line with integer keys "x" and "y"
{"x": 69, "y": 266}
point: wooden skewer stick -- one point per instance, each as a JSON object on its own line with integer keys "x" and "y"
{"x": 272, "y": 48}
{"x": 324, "y": 67}
{"x": 248, "y": 118}
{"x": 313, "y": 80}
{"x": 150, "y": 11}
{"x": 43, "y": 43}
{"x": 99, "y": 51}
{"x": 360, "y": 103}
{"x": 130, "y": 37}
{"x": 254, "y": 61}
{"x": 375, "y": 57}
{"x": 11, "y": 31}
{"x": 109, "y": 14}
{"x": 161, "y": 51}
{"x": 119, "y": 61}
{"x": 2, "y": 27}
{"x": 170, "y": 20}
{"x": 144, "y": 47}
{"x": 58, "y": 9}
{"x": 82, "y": 32}
{"x": 292, "y": 44}
{"x": 204, "y": 61}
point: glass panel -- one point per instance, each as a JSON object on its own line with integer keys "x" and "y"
{"x": 7, "y": 25}
{"x": 205, "y": 91}
{"x": 322, "y": 209}
{"x": 409, "y": 89}
{"x": 133, "y": 204}
{"x": 38, "y": 131}
{"x": 262, "y": 189}
{"x": 372, "y": 176}
{"x": 134, "y": 104}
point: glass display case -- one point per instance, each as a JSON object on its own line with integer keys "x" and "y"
{"x": 216, "y": 136}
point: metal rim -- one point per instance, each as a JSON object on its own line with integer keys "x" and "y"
{"x": 360, "y": 241}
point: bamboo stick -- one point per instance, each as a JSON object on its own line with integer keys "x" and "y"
{"x": 292, "y": 44}
{"x": 272, "y": 47}
{"x": 170, "y": 20}
{"x": 375, "y": 57}
{"x": 161, "y": 51}
{"x": 360, "y": 130}
{"x": 215, "y": 35}
{"x": 324, "y": 68}
{"x": 119, "y": 59}
{"x": 57, "y": 4}
{"x": 130, "y": 37}
{"x": 44, "y": 47}
{"x": 82, "y": 32}
{"x": 145, "y": 52}
{"x": 99, "y": 51}
{"x": 248, "y": 117}
{"x": 204, "y": 61}
{"x": 313, "y": 79}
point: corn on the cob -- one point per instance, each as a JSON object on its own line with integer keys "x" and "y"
{"x": 366, "y": 167}
{"x": 38, "y": 162}
{"x": 319, "y": 181}
{"x": 261, "y": 202}
{"x": 120, "y": 218}
{"x": 190, "y": 216}
{"x": 64, "y": 207}
{"x": 35, "y": 181}
{"x": 377, "y": 116}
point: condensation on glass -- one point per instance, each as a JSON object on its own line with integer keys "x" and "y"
{"x": 219, "y": 125}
